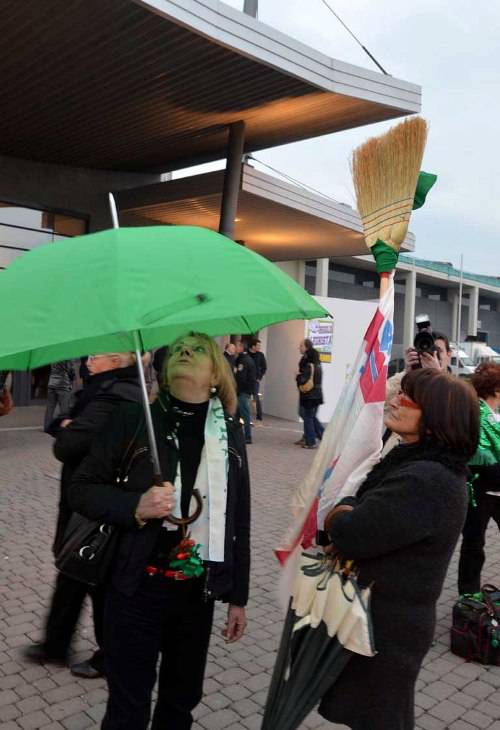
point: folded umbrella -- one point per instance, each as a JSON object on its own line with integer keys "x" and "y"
{"x": 328, "y": 619}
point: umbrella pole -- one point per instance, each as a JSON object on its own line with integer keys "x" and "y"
{"x": 157, "y": 477}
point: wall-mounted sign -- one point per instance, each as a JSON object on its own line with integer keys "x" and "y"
{"x": 320, "y": 332}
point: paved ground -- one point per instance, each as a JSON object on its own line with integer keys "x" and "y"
{"x": 451, "y": 693}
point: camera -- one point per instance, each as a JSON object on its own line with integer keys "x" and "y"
{"x": 424, "y": 339}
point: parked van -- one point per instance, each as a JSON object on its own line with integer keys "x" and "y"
{"x": 479, "y": 352}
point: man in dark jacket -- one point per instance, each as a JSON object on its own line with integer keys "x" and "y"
{"x": 245, "y": 384}
{"x": 230, "y": 355}
{"x": 113, "y": 380}
{"x": 260, "y": 370}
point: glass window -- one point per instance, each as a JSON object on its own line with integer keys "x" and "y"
{"x": 22, "y": 229}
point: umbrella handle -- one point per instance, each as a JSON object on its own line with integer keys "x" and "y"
{"x": 190, "y": 518}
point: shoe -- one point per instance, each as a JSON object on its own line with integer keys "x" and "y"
{"x": 86, "y": 671}
{"x": 39, "y": 654}
{"x": 248, "y": 441}
{"x": 300, "y": 442}
{"x": 305, "y": 446}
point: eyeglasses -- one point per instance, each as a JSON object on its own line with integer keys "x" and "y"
{"x": 104, "y": 354}
{"x": 407, "y": 402}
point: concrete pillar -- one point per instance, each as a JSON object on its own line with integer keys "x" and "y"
{"x": 232, "y": 178}
{"x": 409, "y": 308}
{"x": 473, "y": 310}
{"x": 251, "y": 7}
{"x": 321, "y": 286}
{"x": 295, "y": 269}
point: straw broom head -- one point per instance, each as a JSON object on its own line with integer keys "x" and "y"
{"x": 385, "y": 172}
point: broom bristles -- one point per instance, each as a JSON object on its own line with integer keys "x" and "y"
{"x": 385, "y": 172}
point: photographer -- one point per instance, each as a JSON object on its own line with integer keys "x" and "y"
{"x": 438, "y": 358}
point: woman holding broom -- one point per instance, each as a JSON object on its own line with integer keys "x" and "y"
{"x": 401, "y": 530}
{"x": 163, "y": 583}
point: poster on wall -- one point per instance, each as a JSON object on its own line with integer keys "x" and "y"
{"x": 320, "y": 332}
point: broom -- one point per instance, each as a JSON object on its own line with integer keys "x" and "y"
{"x": 385, "y": 172}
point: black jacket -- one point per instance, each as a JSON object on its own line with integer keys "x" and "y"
{"x": 93, "y": 407}
{"x": 260, "y": 364}
{"x": 95, "y": 493}
{"x": 245, "y": 374}
{"x": 401, "y": 534}
{"x": 314, "y": 396}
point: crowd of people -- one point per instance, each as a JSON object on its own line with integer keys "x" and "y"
{"x": 185, "y": 542}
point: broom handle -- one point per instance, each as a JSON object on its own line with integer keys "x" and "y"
{"x": 384, "y": 282}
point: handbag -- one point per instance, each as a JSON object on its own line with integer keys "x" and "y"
{"x": 88, "y": 547}
{"x": 309, "y": 384}
{"x": 6, "y": 402}
{"x": 475, "y": 631}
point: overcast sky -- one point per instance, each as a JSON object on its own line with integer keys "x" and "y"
{"x": 450, "y": 48}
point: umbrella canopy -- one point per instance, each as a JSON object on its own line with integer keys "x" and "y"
{"x": 327, "y": 621}
{"x": 91, "y": 294}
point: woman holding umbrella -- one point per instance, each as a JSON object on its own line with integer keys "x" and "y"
{"x": 401, "y": 530}
{"x": 163, "y": 585}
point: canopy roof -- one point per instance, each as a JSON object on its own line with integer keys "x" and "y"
{"x": 278, "y": 220}
{"x": 152, "y": 85}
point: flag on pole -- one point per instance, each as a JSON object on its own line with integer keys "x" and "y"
{"x": 352, "y": 442}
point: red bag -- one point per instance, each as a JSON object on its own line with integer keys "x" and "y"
{"x": 6, "y": 402}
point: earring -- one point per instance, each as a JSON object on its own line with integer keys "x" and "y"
{"x": 213, "y": 391}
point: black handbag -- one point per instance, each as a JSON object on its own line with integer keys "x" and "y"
{"x": 88, "y": 547}
{"x": 475, "y": 632}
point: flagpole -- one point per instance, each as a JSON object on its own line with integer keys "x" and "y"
{"x": 459, "y": 313}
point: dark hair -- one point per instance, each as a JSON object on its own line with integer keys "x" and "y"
{"x": 254, "y": 342}
{"x": 486, "y": 379}
{"x": 308, "y": 344}
{"x": 440, "y": 336}
{"x": 450, "y": 409}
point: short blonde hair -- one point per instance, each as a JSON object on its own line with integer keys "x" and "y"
{"x": 224, "y": 378}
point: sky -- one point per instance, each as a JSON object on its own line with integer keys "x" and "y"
{"x": 450, "y": 48}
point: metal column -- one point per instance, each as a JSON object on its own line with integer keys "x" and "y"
{"x": 232, "y": 178}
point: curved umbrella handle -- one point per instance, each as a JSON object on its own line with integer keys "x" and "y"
{"x": 190, "y": 518}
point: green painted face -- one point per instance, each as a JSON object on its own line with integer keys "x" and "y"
{"x": 190, "y": 359}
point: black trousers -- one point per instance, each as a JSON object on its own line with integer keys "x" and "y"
{"x": 67, "y": 602}
{"x": 164, "y": 617}
{"x": 472, "y": 553}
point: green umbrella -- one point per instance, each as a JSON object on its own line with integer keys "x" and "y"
{"x": 128, "y": 289}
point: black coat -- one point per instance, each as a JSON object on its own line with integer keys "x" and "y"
{"x": 401, "y": 534}
{"x": 245, "y": 375}
{"x": 313, "y": 397}
{"x": 95, "y": 493}
{"x": 260, "y": 364}
{"x": 93, "y": 407}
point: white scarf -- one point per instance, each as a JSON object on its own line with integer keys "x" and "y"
{"x": 209, "y": 530}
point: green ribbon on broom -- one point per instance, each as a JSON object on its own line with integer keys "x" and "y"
{"x": 386, "y": 258}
